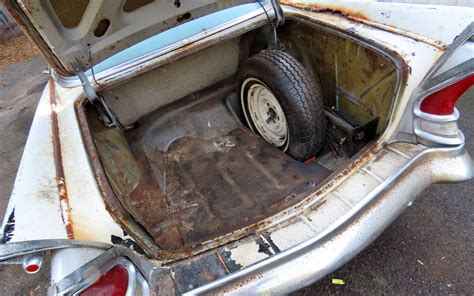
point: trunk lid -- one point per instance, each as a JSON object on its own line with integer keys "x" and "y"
{"x": 88, "y": 32}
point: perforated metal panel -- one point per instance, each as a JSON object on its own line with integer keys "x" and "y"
{"x": 146, "y": 93}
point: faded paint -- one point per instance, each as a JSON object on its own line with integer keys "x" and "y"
{"x": 35, "y": 195}
{"x": 292, "y": 235}
{"x": 397, "y": 44}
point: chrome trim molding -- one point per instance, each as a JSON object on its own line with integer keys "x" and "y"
{"x": 11, "y": 250}
{"x": 435, "y": 118}
{"x": 428, "y": 138}
{"x": 458, "y": 41}
{"x": 144, "y": 274}
{"x": 433, "y": 136}
{"x": 141, "y": 272}
{"x": 33, "y": 259}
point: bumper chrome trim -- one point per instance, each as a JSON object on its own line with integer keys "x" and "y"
{"x": 315, "y": 258}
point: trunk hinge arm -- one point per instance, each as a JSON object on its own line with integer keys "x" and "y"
{"x": 277, "y": 22}
{"x": 105, "y": 114}
{"x": 279, "y": 15}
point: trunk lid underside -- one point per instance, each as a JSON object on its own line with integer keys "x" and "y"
{"x": 83, "y": 31}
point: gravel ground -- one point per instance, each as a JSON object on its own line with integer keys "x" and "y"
{"x": 428, "y": 250}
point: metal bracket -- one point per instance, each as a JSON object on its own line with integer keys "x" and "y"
{"x": 105, "y": 114}
{"x": 278, "y": 21}
{"x": 342, "y": 133}
{"x": 279, "y": 16}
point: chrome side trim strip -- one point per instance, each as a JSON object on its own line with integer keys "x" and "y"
{"x": 437, "y": 118}
{"x": 428, "y": 127}
{"x": 11, "y": 250}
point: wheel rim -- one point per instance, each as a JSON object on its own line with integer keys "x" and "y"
{"x": 264, "y": 113}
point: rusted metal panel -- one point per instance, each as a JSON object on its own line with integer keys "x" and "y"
{"x": 58, "y": 160}
{"x": 201, "y": 269}
{"x": 356, "y": 81}
{"x": 412, "y": 21}
{"x": 192, "y": 174}
{"x": 112, "y": 204}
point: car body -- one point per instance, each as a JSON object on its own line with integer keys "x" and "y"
{"x": 63, "y": 202}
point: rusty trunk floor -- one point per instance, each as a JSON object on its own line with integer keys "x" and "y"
{"x": 213, "y": 175}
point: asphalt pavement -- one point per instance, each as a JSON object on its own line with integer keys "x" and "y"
{"x": 428, "y": 250}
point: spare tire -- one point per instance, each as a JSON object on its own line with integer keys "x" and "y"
{"x": 283, "y": 103}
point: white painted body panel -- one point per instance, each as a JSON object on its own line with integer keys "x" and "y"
{"x": 309, "y": 239}
{"x": 91, "y": 219}
{"x": 35, "y": 198}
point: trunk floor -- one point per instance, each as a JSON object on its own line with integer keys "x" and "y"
{"x": 214, "y": 175}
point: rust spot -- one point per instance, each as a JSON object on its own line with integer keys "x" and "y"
{"x": 358, "y": 16}
{"x": 58, "y": 162}
{"x": 317, "y": 7}
{"x": 183, "y": 17}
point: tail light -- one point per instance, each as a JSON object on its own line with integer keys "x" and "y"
{"x": 111, "y": 273}
{"x": 32, "y": 264}
{"x": 114, "y": 283}
{"x": 436, "y": 115}
{"x": 442, "y": 102}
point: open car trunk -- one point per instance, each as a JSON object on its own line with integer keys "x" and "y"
{"x": 186, "y": 167}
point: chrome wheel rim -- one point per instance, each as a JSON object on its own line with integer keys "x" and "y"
{"x": 264, "y": 113}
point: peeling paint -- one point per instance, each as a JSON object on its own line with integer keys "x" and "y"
{"x": 8, "y": 229}
{"x": 247, "y": 254}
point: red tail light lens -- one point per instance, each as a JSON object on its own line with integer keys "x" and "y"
{"x": 113, "y": 282}
{"x": 442, "y": 102}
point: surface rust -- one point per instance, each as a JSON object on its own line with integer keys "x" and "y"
{"x": 146, "y": 184}
{"x": 112, "y": 204}
{"x": 124, "y": 219}
{"x": 357, "y": 81}
{"x": 335, "y": 9}
{"x": 203, "y": 174}
{"x": 360, "y": 17}
{"x": 58, "y": 163}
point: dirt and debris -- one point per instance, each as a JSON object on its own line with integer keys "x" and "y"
{"x": 17, "y": 49}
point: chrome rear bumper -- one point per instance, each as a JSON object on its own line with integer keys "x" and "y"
{"x": 311, "y": 260}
